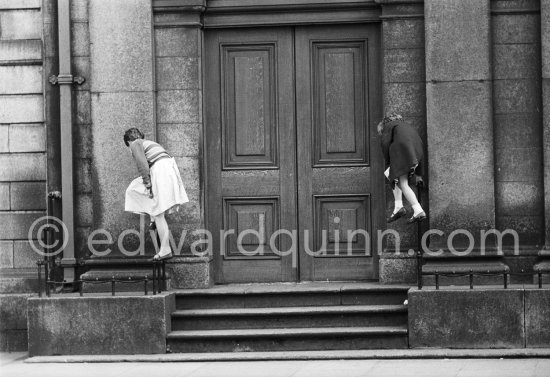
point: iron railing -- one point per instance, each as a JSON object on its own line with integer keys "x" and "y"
{"x": 158, "y": 279}
{"x": 471, "y": 274}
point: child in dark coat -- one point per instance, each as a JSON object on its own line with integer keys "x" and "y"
{"x": 402, "y": 148}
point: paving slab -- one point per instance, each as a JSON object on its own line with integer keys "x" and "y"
{"x": 294, "y": 368}
{"x": 444, "y": 353}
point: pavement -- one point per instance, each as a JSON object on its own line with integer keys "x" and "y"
{"x": 14, "y": 365}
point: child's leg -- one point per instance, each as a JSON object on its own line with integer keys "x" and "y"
{"x": 397, "y": 199}
{"x": 164, "y": 234}
{"x": 409, "y": 194}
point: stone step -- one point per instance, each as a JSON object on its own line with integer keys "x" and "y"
{"x": 288, "y": 339}
{"x": 290, "y": 317}
{"x": 291, "y": 295}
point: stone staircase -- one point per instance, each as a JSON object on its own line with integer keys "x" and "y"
{"x": 294, "y": 317}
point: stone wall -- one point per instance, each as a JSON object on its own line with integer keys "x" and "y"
{"x": 99, "y": 324}
{"x": 545, "y": 38}
{"x": 22, "y": 139}
{"x": 149, "y": 79}
{"x": 121, "y": 89}
{"x": 404, "y": 90}
{"x": 518, "y": 119}
{"x": 82, "y": 125}
{"x": 178, "y": 80}
{"x": 23, "y": 132}
{"x": 479, "y": 318}
{"x": 459, "y": 118}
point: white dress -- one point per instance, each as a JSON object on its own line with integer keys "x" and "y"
{"x": 167, "y": 186}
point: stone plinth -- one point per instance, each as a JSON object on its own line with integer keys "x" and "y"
{"x": 537, "y": 317}
{"x": 99, "y": 324}
{"x": 463, "y": 318}
{"x": 190, "y": 272}
{"x": 13, "y": 322}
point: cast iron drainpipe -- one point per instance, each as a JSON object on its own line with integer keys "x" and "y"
{"x": 65, "y": 80}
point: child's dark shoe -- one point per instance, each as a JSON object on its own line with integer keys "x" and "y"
{"x": 415, "y": 219}
{"x": 402, "y": 212}
{"x": 158, "y": 257}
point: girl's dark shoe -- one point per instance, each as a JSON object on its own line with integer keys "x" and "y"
{"x": 415, "y": 219}
{"x": 157, "y": 257}
{"x": 152, "y": 226}
{"x": 402, "y": 212}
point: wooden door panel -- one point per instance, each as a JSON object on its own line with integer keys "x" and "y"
{"x": 254, "y": 221}
{"x": 339, "y": 112}
{"x": 356, "y": 179}
{"x": 249, "y": 126}
{"x": 338, "y": 221}
{"x": 251, "y": 152}
{"x": 338, "y": 101}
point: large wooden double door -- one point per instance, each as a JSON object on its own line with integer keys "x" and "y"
{"x": 292, "y": 159}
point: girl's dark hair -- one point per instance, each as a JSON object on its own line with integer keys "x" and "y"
{"x": 131, "y": 135}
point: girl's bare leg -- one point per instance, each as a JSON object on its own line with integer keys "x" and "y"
{"x": 409, "y": 194}
{"x": 164, "y": 235}
{"x": 397, "y": 199}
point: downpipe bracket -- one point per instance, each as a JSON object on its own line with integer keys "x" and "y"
{"x": 66, "y": 80}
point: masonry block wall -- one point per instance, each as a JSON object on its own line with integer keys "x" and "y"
{"x": 545, "y": 42}
{"x": 22, "y": 138}
{"x": 518, "y": 119}
{"x": 178, "y": 54}
{"x": 82, "y": 127}
{"x": 148, "y": 79}
{"x": 121, "y": 91}
{"x": 23, "y": 158}
{"x": 404, "y": 86}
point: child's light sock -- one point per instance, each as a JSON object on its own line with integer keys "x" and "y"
{"x": 397, "y": 206}
{"x": 417, "y": 208}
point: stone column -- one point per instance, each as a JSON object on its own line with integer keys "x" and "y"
{"x": 404, "y": 87}
{"x": 179, "y": 37}
{"x": 545, "y": 44}
{"x": 459, "y": 118}
{"x": 121, "y": 59}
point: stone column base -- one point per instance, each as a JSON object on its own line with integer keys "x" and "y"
{"x": 397, "y": 269}
{"x": 190, "y": 272}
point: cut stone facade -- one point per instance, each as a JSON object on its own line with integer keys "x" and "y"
{"x": 476, "y": 89}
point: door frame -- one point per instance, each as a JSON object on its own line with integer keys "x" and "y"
{"x": 247, "y": 13}
{"x": 221, "y": 14}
